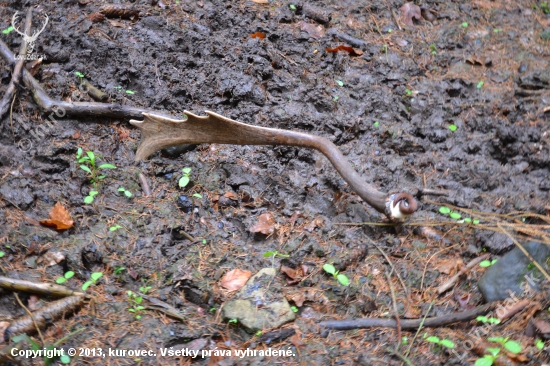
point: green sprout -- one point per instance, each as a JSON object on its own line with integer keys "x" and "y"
{"x": 258, "y": 333}
{"x": 184, "y": 180}
{"x": 441, "y": 342}
{"x": 480, "y": 84}
{"x": 496, "y": 30}
{"x": 330, "y": 269}
{"x": 452, "y": 127}
{"x": 455, "y": 215}
{"x": 274, "y": 254}
{"x": 65, "y": 277}
{"x": 126, "y": 193}
{"x": 408, "y": 92}
{"x": 294, "y": 309}
{"x": 539, "y": 344}
{"x": 144, "y": 289}
{"x": 233, "y": 321}
{"x": 335, "y": 98}
{"x": 212, "y": 310}
{"x": 135, "y": 304}
{"x": 510, "y": 346}
{"x": 88, "y": 163}
{"x": 464, "y": 24}
{"x": 376, "y": 124}
{"x": 487, "y": 263}
{"x": 404, "y": 340}
{"x": 543, "y": 6}
{"x": 197, "y": 195}
{"x": 292, "y": 7}
{"x": 384, "y": 48}
{"x": 2, "y": 254}
{"x": 115, "y": 228}
{"x": 118, "y": 270}
{"x": 94, "y": 277}
{"x": 487, "y": 320}
{"x": 488, "y": 360}
{"x": 204, "y": 241}
{"x": 433, "y": 49}
{"x": 79, "y": 74}
{"x": 340, "y": 82}
{"x": 8, "y": 30}
{"x": 130, "y": 92}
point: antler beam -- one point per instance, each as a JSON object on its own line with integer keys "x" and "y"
{"x": 160, "y": 132}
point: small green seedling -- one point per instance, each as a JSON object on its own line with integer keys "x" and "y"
{"x": 376, "y": 124}
{"x": 89, "y": 165}
{"x": 539, "y": 344}
{"x": 212, "y": 310}
{"x": 465, "y": 25}
{"x": 433, "y": 49}
{"x": 510, "y": 346}
{"x": 335, "y": 98}
{"x": 126, "y": 193}
{"x": 135, "y": 304}
{"x": 480, "y": 84}
{"x": 68, "y": 275}
{"x": 384, "y": 48}
{"x": 90, "y": 197}
{"x": 119, "y": 270}
{"x": 487, "y": 320}
{"x": 197, "y": 195}
{"x": 340, "y": 82}
{"x": 453, "y": 127}
{"x": 144, "y": 289}
{"x": 233, "y": 321}
{"x": 444, "y": 210}
{"x": 79, "y": 74}
{"x": 489, "y": 359}
{"x": 487, "y": 263}
{"x": 543, "y": 6}
{"x": 441, "y": 342}
{"x": 455, "y": 215}
{"x": 404, "y": 340}
{"x": 94, "y": 277}
{"x": 130, "y": 92}
{"x": 294, "y": 309}
{"x": 330, "y": 269}
{"x": 258, "y": 333}
{"x": 2, "y": 254}
{"x": 292, "y": 7}
{"x": 274, "y": 254}
{"x": 8, "y": 30}
{"x": 409, "y": 92}
{"x": 204, "y": 241}
{"x": 184, "y": 180}
{"x": 115, "y": 228}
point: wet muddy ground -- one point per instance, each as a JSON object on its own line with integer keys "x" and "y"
{"x": 458, "y": 103}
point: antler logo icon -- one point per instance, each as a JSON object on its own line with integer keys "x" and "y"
{"x": 29, "y": 39}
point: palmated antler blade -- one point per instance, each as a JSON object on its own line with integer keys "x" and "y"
{"x": 160, "y": 132}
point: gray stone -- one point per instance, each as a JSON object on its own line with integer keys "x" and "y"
{"x": 259, "y": 304}
{"x": 511, "y": 271}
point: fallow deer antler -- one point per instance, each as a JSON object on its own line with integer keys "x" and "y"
{"x": 158, "y": 132}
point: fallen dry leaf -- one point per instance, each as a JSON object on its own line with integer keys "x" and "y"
{"x": 314, "y": 31}
{"x": 449, "y": 266}
{"x": 265, "y": 224}
{"x": 261, "y": 1}
{"x": 116, "y": 23}
{"x": 51, "y": 258}
{"x": 408, "y": 12}
{"x": 235, "y": 279}
{"x": 296, "y": 341}
{"x": 59, "y": 218}
{"x": 259, "y": 35}
{"x": 318, "y": 222}
{"x": 352, "y": 51}
{"x": 231, "y": 195}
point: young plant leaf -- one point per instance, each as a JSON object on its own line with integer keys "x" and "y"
{"x": 184, "y": 181}
{"x": 186, "y": 170}
{"x": 343, "y": 279}
{"x": 484, "y": 264}
{"x": 88, "y": 199}
{"x": 86, "y": 169}
{"x": 86, "y": 285}
{"x": 444, "y": 210}
{"x": 455, "y": 215}
{"x": 60, "y": 280}
{"x": 433, "y": 339}
{"x": 329, "y": 268}
{"x": 486, "y": 360}
{"x": 128, "y": 194}
{"x": 107, "y": 166}
{"x": 447, "y": 343}
{"x": 513, "y": 347}
{"x": 96, "y": 276}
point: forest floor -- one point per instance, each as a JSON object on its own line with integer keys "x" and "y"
{"x": 458, "y": 103}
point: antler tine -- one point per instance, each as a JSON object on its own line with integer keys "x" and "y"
{"x": 13, "y": 21}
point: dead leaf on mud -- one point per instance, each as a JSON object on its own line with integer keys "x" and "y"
{"x": 408, "y": 12}
{"x": 231, "y": 195}
{"x": 314, "y": 31}
{"x": 352, "y": 51}
{"x": 116, "y": 23}
{"x": 259, "y": 35}
{"x": 51, "y": 258}
{"x": 296, "y": 341}
{"x": 318, "y": 222}
{"x": 235, "y": 279}
{"x": 260, "y": 1}
{"x": 265, "y": 224}
{"x": 449, "y": 266}
{"x": 412, "y": 313}
{"x": 59, "y": 218}
{"x": 295, "y": 275}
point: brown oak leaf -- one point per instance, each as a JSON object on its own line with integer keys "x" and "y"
{"x": 265, "y": 224}
{"x": 59, "y": 218}
{"x": 235, "y": 279}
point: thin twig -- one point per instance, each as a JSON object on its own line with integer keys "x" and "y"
{"x": 419, "y": 329}
{"x": 447, "y": 285}
{"x": 16, "y": 76}
{"x": 144, "y": 185}
{"x": 32, "y": 317}
{"x": 395, "y": 311}
{"x": 11, "y": 118}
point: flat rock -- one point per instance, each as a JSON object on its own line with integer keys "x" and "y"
{"x": 512, "y": 271}
{"x": 259, "y": 304}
